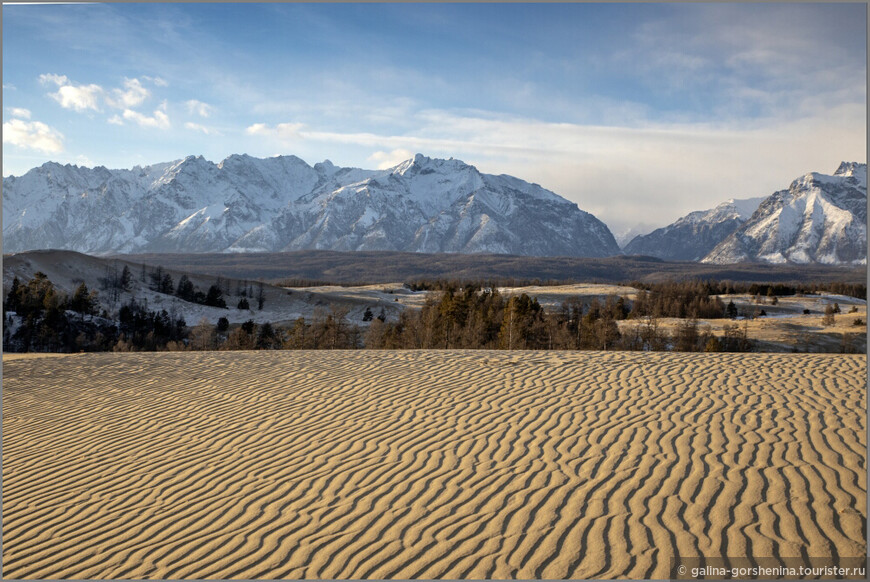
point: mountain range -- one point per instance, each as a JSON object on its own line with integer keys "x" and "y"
{"x": 245, "y": 204}
{"x": 820, "y": 218}
{"x": 424, "y": 205}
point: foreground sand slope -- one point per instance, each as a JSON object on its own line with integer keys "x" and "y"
{"x": 426, "y": 464}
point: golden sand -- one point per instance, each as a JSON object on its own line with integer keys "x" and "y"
{"x": 427, "y": 464}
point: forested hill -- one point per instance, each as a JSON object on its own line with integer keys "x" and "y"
{"x": 384, "y": 266}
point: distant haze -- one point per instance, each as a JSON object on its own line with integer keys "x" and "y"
{"x": 639, "y": 113}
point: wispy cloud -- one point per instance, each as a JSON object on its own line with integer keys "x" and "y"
{"x": 201, "y": 128}
{"x": 33, "y": 135}
{"x": 53, "y": 78}
{"x": 19, "y": 112}
{"x": 158, "y": 81}
{"x": 746, "y": 60}
{"x": 195, "y": 107}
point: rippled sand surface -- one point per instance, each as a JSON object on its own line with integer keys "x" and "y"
{"x": 426, "y": 464}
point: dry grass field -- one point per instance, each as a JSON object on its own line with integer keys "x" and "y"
{"x": 427, "y": 464}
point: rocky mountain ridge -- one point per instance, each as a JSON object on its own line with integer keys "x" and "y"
{"x": 820, "y": 218}
{"x": 246, "y": 204}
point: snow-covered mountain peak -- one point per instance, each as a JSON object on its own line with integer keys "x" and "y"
{"x": 694, "y": 235}
{"x": 234, "y": 160}
{"x": 425, "y": 165}
{"x": 852, "y": 173}
{"x": 820, "y": 218}
{"x": 851, "y": 169}
{"x": 325, "y": 167}
{"x": 188, "y": 165}
{"x": 855, "y": 170}
{"x": 406, "y": 166}
{"x": 743, "y": 208}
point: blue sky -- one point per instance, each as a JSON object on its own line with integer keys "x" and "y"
{"x": 637, "y": 112}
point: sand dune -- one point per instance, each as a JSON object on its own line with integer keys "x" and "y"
{"x": 427, "y": 464}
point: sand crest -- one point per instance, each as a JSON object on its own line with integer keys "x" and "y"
{"x": 427, "y": 464}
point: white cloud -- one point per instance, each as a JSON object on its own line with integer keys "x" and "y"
{"x": 132, "y": 95}
{"x": 199, "y": 108}
{"x": 258, "y": 129}
{"x": 201, "y": 128}
{"x": 116, "y": 120}
{"x": 282, "y": 131}
{"x": 77, "y": 97}
{"x": 158, "y": 120}
{"x": 19, "y": 112}
{"x": 33, "y": 135}
{"x": 386, "y": 160}
{"x": 85, "y": 97}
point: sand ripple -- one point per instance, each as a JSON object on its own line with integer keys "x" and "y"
{"x": 427, "y": 464}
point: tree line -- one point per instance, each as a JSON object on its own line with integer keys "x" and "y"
{"x": 459, "y": 317}
{"x": 160, "y": 281}
{"x": 725, "y": 287}
{"x": 475, "y": 318}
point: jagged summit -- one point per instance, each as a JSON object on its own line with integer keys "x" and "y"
{"x": 282, "y": 203}
{"x": 691, "y": 237}
{"x": 820, "y": 219}
{"x": 854, "y": 169}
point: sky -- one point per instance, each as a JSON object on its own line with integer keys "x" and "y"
{"x": 639, "y": 113}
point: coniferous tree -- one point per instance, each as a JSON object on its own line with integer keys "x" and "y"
{"x": 156, "y": 279}
{"x": 84, "y": 301}
{"x": 731, "y": 310}
{"x": 166, "y": 284}
{"x": 185, "y": 289}
{"x": 126, "y": 281}
{"x": 215, "y": 297}
{"x": 268, "y": 338}
{"x": 261, "y": 296}
{"x": 13, "y": 297}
